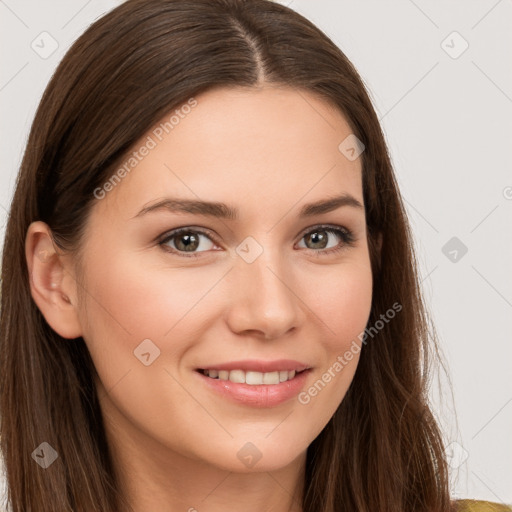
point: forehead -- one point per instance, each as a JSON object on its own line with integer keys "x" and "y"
{"x": 273, "y": 145}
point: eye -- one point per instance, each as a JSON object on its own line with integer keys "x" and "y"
{"x": 187, "y": 240}
{"x": 320, "y": 240}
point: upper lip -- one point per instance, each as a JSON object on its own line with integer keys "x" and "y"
{"x": 255, "y": 365}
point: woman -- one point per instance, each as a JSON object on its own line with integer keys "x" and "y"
{"x": 209, "y": 291}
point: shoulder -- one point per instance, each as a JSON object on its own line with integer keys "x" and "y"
{"x": 480, "y": 506}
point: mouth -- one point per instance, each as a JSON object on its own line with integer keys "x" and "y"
{"x": 252, "y": 378}
{"x": 256, "y": 383}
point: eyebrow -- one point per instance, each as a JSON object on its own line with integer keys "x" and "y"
{"x": 224, "y": 211}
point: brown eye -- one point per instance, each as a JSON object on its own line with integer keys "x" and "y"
{"x": 319, "y": 238}
{"x": 187, "y": 241}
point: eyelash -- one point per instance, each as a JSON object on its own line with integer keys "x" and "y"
{"x": 344, "y": 233}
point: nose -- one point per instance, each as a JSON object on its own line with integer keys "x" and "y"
{"x": 262, "y": 297}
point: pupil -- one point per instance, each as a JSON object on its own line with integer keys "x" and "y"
{"x": 318, "y": 239}
{"x": 191, "y": 242}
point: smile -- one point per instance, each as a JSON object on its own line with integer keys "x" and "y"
{"x": 250, "y": 377}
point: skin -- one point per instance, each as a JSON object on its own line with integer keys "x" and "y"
{"x": 267, "y": 151}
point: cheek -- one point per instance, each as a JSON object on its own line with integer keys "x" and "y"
{"x": 342, "y": 302}
{"x": 128, "y": 302}
{"x": 350, "y": 308}
{"x": 142, "y": 300}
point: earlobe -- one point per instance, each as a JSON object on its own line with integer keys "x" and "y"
{"x": 52, "y": 286}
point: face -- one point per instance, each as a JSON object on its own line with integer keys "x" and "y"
{"x": 270, "y": 289}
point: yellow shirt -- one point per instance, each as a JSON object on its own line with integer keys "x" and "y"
{"x": 481, "y": 506}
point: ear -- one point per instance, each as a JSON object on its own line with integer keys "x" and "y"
{"x": 52, "y": 283}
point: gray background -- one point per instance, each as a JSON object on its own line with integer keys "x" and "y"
{"x": 446, "y": 114}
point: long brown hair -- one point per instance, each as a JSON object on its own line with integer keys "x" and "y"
{"x": 382, "y": 450}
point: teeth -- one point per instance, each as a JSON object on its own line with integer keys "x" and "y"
{"x": 236, "y": 376}
{"x": 252, "y": 378}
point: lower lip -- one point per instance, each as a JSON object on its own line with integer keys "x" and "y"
{"x": 260, "y": 395}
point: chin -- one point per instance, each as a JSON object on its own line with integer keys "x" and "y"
{"x": 259, "y": 455}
